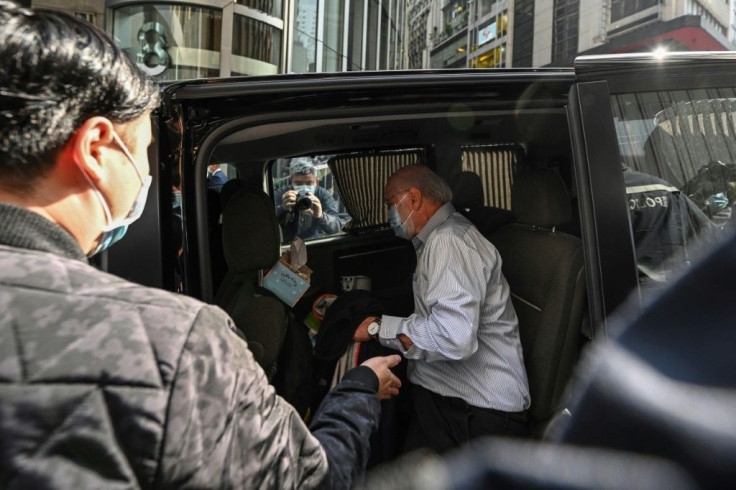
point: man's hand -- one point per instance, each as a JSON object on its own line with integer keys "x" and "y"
{"x": 388, "y": 383}
{"x": 316, "y": 209}
{"x": 288, "y": 200}
{"x": 361, "y": 333}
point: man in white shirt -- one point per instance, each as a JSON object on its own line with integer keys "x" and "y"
{"x": 462, "y": 341}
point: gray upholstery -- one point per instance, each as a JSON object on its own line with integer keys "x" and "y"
{"x": 468, "y": 198}
{"x": 544, "y": 270}
{"x": 251, "y": 239}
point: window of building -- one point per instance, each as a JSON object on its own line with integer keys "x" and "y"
{"x": 304, "y": 48}
{"x": 452, "y": 54}
{"x": 271, "y": 7}
{"x": 355, "y": 40}
{"x": 485, "y": 6}
{"x": 333, "y": 35}
{"x": 384, "y": 44}
{"x": 372, "y": 38}
{"x": 565, "y": 31}
{"x": 493, "y": 58}
{"x": 625, "y": 8}
{"x": 256, "y": 47}
{"x": 523, "y": 32}
{"x": 170, "y": 42}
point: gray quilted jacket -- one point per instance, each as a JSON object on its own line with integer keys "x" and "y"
{"x": 109, "y": 384}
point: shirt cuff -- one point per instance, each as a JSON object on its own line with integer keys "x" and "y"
{"x": 389, "y": 330}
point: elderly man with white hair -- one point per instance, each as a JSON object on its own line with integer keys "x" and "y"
{"x": 303, "y": 207}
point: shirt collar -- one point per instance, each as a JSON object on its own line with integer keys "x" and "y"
{"x": 436, "y": 220}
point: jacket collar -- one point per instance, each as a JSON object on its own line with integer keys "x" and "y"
{"x": 22, "y": 228}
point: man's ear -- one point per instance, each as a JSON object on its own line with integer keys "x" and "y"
{"x": 90, "y": 144}
{"x": 415, "y": 196}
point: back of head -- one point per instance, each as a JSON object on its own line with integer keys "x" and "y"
{"x": 433, "y": 186}
{"x": 57, "y": 72}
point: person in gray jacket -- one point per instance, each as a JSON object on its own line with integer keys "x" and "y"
{"x": 105, "y": 383}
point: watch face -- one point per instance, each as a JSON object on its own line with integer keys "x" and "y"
{"x": 373, "y": 328}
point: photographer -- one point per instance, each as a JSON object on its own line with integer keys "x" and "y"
{"x": 304, "y": 209}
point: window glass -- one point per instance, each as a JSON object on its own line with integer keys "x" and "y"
{"x": 625, "y": 8}
{"x": 307, "y": 201}
{"x": 355, "y": 40}
{"x": 170, "y": 42}
{"x": 333, "y": 52}
{"x": 256, "y": 47}
{"x": 678, "y": 153}
{"x": 496, "y": 166}
{"x": 271, "y": 7}
{"x": 304, "y": 48}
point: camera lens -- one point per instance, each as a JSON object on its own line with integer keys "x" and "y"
{"x": 303, "y": 202}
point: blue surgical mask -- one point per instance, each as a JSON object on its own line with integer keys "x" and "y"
{"x": 394, "y": 220}
{"x": 305, "y": 188}
{"x": 115, "y": 230}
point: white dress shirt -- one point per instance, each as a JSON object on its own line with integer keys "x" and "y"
{"x": 464, "y": 327}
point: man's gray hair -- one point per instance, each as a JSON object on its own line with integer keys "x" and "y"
{"x": 301, "y": 166}
{"x": 432, "y": 185}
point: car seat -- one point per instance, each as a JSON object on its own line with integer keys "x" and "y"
{"x": 544, "y": 269}
{"x": 468, "y": 199}
{"x": 250, "y": 240}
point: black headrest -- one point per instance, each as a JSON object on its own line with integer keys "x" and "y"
{"x": 229, "y": 189}
{"x": 467, "y": 190}
{"x": 539, "y": 198}
{"x": 250, "y": 231}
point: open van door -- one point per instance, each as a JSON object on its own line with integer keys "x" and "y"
{"x": 653, "y": 141}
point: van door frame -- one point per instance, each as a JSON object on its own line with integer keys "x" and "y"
{"x": 610, "y": 259}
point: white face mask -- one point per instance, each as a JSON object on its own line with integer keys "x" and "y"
{"x": 115, "y": 230}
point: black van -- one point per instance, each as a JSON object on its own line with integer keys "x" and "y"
{"x": 627, "y": 135}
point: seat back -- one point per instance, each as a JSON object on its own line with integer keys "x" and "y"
{"x": 250, "y": 241}
{"x": 544, "y": 269}
{"x": 468, "y": 199}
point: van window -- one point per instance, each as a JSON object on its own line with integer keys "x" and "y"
{"x": 363, "y": 176}
{"x": 678, "y": 151}
{"x": 496, "y": 166}
{"x": 306, "y": 198}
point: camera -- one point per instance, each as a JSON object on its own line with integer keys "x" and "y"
{"x": 303, "y": 202}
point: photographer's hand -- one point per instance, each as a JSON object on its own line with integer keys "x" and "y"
{"x": 288, "y": 200}
{"x": 316, "y": 209}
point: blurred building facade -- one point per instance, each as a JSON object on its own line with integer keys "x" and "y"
{"x": 531, "y": 33}
{"x": 218, "y": 38}
{"x": 90, "y": 10}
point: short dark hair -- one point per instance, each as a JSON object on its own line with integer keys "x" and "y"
{"x": 56, "y": 72}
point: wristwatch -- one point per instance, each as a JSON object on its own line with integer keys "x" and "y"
{"x": 374, "y": 327}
